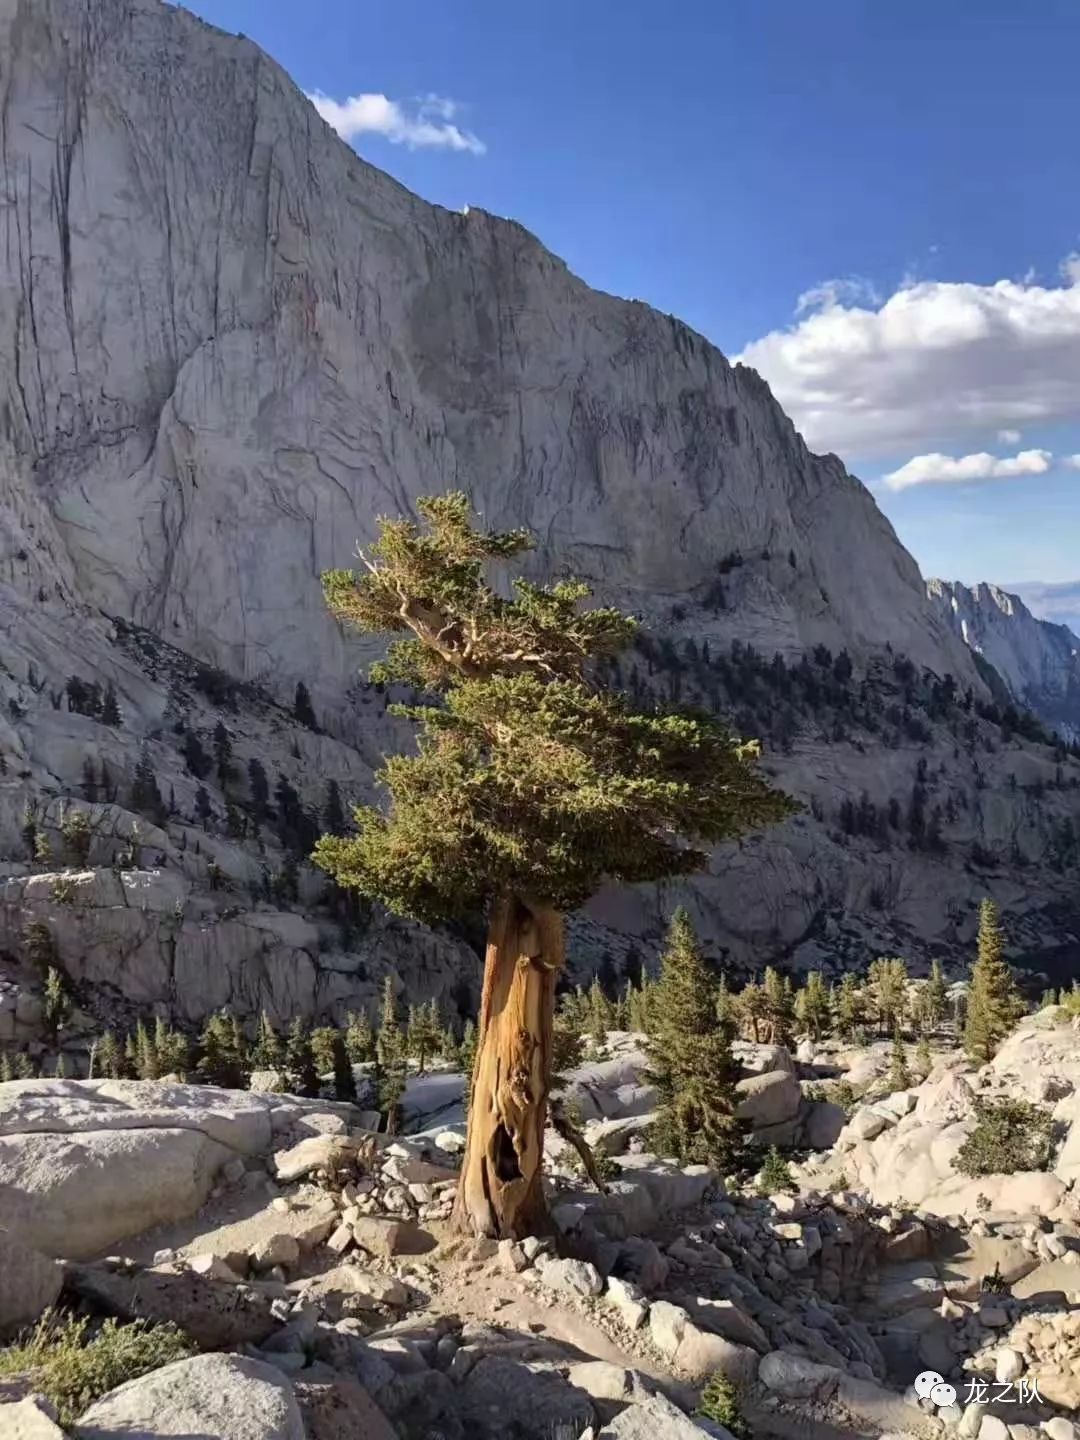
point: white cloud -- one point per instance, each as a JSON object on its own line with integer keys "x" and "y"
{"x": 833, "y": 292}
{"x": 1072, "y": 461}
{"x": 426, "y": 123}
{"x": 937, "y": 360}
{"x": 1009, "y": 437}
{"x": 951, "y": 469}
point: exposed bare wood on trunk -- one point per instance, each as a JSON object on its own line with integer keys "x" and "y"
{"x": 500, "y": 1192}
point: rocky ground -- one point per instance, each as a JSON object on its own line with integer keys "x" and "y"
{"x": 311, "y": 1263}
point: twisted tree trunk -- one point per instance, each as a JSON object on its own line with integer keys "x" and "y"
{"x": 500, "y": 1193}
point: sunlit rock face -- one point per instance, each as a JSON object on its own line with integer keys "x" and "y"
{"x": 228, "y": 344}
{"x": 1038, "y": 660}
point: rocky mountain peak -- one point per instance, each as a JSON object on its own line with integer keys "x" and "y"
{"x": 227, "y": 344}
{"x": 1038, "y": 660}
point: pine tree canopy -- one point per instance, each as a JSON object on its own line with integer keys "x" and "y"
{"x": 528, "y": 778}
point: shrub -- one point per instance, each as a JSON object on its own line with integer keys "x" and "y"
{"x": 1009, "y": 1135}
{"x": 775, "y": 1174}
{"x": 720, "y": 1403}
{"x": 843, "y": 1093}
{"x": 73, "y": 1372}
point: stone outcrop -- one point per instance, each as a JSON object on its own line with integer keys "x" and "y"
{"x": 85, "y": 1163}
{"x": 905, "y": 1153}
{"x": 209, "y": 1395}
{"x": 31, "y": 1284}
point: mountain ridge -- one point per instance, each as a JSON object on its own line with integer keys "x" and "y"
{"x": 228, "y": 344}
{"x": 1038, "y": 660}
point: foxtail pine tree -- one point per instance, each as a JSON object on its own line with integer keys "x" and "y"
{"x": 530, "y": 787}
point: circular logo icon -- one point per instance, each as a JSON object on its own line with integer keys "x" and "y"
{"x": 943, "y": 1394}
{"x": 926, "y": 1381}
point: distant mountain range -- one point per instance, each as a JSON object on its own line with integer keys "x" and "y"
{"x": 227, "y": 344}
{"x": 1038, "y": 659}
{"x": 1059, "y": 604}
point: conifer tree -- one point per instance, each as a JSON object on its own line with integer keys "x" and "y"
{"x": 412, "y": 1025}
{"x": 145, "y": 795}
{"x": 322, "y": 1049}
{"x": 924, "y": 1060}
{"x": 203, "y": 809}
{"x": 573, "y": 1006}
{"x": 42, "y": 848}
{"x": 220, "y": 1063}
{"x": 23, "y": 1066}
{"x": 425, "y": 1032}
{"x": 567, "y": 1046}
{"x": 223, "y": 754}
{"x": 994, "y": 1004}
{"x": 359, "y": 1038}
{"x": 775, "y": 1175}
{"x": 779, "y": 1008}
{"x": 600, "y": 1017}
{"x": 235, "y": 824}
{"x": 467, "y": 1058}
{"x": 60, "y": 1068}
{"x": 392, "y": 1066}
{"x": 7, "y": 1069}
{"x": 28, "y": 829}
{"x": 299, "y": 1061}
{"x": 691, "y": 1060}
{"x": 171, "y": 1047}
{"x": 40, "y": 947}
{"x": 638, "y": 1009}
{"x": 131, "y": 1057}
{"x": 849, "y": 1009}
{"x": 109, "y": 1058}
{"x": 259, "y": 787}
{"x": 333, "y": 810}
{"x": 899, "y": 1074}
{"x": 268, "y": 1052}
{"x": 933, "y": 999}
{"x": 303, "y": 710}
{"x": 146, "y": 1057}
{"x": 530, "y": 788}
{"x": 56, "y": 1003}
{"x": 78, "y": 834}
{"x": 195, "y": 757}
{"x": 812, "y": 1006}
{"x": 621, "y": 1008}
{"x": 888, "y": 993}
{"x": 344, "y": 1080}
{"x": 110, "y": 709}
{"x": 753, "y": 1008}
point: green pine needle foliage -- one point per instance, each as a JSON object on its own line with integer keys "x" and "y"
{"x": 775, "y": 1175}
{"x": 1009, "y": 1135}
{"x": 527, "y": 779}
{"x": 690, "y": 1058}
{"x": 994, "y": 1003}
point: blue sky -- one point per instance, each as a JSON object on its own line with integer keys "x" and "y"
{"x": 876, "y": 203}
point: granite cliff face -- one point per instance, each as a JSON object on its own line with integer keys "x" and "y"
{"x": 226, "y": 345}
{"x": 1038, "y": 661}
